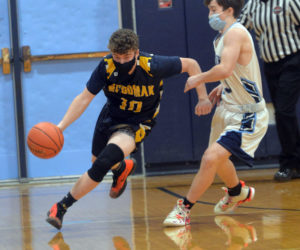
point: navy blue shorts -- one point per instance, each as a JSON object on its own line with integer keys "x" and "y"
{"x": 106, "y": 125}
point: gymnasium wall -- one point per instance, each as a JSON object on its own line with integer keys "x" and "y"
{"x": 8, "y": 161}
{"x": 54, "y": 27}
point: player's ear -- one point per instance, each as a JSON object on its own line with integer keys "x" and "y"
{"x": 137, "y": 53}
{"x": 230, "y": 11}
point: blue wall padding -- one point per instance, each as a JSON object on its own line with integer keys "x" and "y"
{"x": 163, "y": 32}
{"x": 8, "y": 155}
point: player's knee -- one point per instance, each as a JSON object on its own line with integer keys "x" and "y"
{"x": 207, "y": 160}
{"x": 210, "y": 157}
{"x": 110, "y": 155}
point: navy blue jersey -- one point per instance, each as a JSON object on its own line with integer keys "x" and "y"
{"x": 134, "y": 98}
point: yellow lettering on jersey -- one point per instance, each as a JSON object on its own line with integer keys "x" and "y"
{"x": 123, "y": 104}
{"x": 136, "y": 91}
{"x": 111, "y": 88}
{"x": 129, "y": 90}
{"x": 151, "y": 90}
{"x": 118, "y": 87}
{"x": 135, "y": 106}
{"x": 124, "y": 90}
{"x": 144, "y": 91}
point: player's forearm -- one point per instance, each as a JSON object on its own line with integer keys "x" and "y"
{"x": 217, "y": 73}
{"x": 201, "y": 92}
{"x": 75, "y": 110}
{"x": 193, "y": 70}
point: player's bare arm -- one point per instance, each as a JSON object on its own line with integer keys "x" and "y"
{"x": 233, "y": 42}
{"x": 203, "y": 106}
{"x": 77, "y": 107}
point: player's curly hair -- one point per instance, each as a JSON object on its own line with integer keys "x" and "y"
{"x": 123, "y": 40}
{"x": 237, "y": 5}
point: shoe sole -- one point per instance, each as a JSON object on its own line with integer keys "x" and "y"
{"x": 54, "y": 222}
{"x": 282, "y": 179}
{"x": 114, "y": 195}
{"x": 170, "y": 224}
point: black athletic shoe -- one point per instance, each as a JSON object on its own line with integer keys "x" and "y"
{"x": 55, "y": 215}
{"x": 286, "y": 174}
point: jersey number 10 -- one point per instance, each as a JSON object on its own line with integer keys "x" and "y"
{"x": 134, "y": 106}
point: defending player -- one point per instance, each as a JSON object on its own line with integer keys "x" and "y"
{"x": 239, "y": 122}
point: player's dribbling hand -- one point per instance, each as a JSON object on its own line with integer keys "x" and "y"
{"x": 215, "y": 95}
{"x": 203, "y": 107}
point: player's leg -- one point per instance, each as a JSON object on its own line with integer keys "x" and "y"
{"x": 236, "y": 192}
{"x": 212, "y": 159}
{"x": 242, "y": 140}
{"x": 138, "y": 132}
{"x": 126, "y": 167}
{"x": 216, "y": 160}
{"x": 119, "y": 146}
{"x": 83, "y": 185}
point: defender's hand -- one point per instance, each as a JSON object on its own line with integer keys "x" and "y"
{"x": 215, "y": 95}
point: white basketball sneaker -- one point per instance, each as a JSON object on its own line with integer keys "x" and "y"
{"x": 228, "y": 203}
{"x": 179, "y": 216}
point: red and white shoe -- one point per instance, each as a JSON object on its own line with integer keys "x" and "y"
{"x": 228, "y": 203}
{"x": 179, "y": 216}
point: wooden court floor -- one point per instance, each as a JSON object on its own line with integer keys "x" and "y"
{"x": 134, "y": 220}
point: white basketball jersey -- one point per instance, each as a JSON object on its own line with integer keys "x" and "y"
{"x": 244, "y": 85}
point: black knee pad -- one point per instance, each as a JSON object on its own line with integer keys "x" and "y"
{"x": 109, "y": 156}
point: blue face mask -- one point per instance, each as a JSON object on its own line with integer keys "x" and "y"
{"x": 216, "y": 23}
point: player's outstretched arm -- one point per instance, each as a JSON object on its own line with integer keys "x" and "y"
{"x": 77, "y": 107}
{"x": 232, "y": 46}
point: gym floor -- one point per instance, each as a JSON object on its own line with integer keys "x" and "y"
{"x": 134, "y": 220}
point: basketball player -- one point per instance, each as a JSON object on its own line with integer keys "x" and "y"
{"x": 132, "y": 82}
{"x": 240, "y": 120}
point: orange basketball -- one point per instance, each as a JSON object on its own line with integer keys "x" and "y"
{"x": 45, "y": 140}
